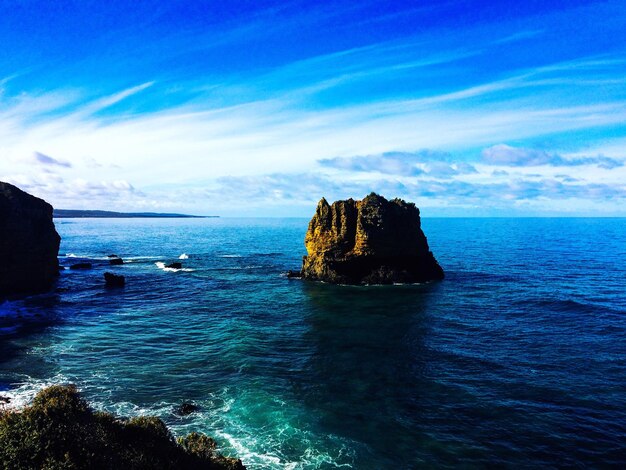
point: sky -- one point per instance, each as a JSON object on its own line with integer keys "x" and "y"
{"x": 260, "y": 108}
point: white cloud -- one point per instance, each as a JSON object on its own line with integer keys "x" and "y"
{"x": 506, "y": 155}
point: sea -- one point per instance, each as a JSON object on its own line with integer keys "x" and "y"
{"x": 516, "y": 360}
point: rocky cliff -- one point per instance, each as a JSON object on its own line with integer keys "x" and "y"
{"x": 60, "y": 430}
{"x": 29, "y": 243}
{"x": 372, "y": 241}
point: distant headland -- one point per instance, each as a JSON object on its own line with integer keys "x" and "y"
{"x": 84, "y": 214}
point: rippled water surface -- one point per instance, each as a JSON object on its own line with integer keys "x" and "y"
{"x": 517, "y": 359}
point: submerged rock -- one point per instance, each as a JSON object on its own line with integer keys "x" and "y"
{"x": 113, "y": 280}
{"x": 186, "y": 408}
{"x": 372, "y": 241}
{"x": 116, "y": 261}
{"x": 175, "y": 266}
{"x": 81, "y": 266}
{"x": 29, "y": 243}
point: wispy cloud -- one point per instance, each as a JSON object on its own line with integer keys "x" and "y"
{"x": 507, "y": 155}
{"x": 425, "y": 162}
{"x": 287, "y": 189}
{"x": 105, "y": 102}
{"x": 47, "y": 160}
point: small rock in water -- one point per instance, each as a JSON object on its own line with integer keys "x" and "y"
{"x": 113, "y": 256}
{"x": 294, "y": 274}
{"x": 113, "y": 280}
{"x": 116, "y": 261}
{"x": 4, "y": 399}
{"x": 174, "y": 266}
{"x": 186, "y": 408}
{"x": 81, "y": 266}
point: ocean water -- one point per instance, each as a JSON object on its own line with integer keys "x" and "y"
{"x": 517, "y": 359}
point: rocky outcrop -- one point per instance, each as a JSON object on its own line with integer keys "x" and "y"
{"x": 60, "y": 430}
{"x": 78, "y": 266}
{"x": 372, "y": 241}
{"x": 113, "y": 280}
{"x": 29, "y": 243}
{"x": 186, "y": 408}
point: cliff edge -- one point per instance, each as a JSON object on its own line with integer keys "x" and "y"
{"x": 372, "y": 241}
{"x": 29, "y": 243}
{"x": 60, "y": 430}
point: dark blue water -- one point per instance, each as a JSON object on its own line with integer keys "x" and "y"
{"x": 517, "y": 359}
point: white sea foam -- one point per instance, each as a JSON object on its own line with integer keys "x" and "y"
{"x": 161, "y": 265}
{"x": 26, "y": 390}
{"x": 229, "y": 256}
{"x": 253, "y": 446}
{"x": 184, "y": 256}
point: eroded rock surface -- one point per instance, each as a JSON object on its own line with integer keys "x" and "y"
{"x": 372, "y": 241}
{"x": 29, "y": 243}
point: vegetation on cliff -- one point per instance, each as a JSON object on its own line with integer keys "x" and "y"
{"x": 59, "y": 430}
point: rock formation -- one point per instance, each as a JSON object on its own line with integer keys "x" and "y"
{"x": 81, "y": 266}
{"x": 60, "y": 430}
{"x": 186, "y": 408}
{"x": 372, "y": 241}
{"x": 113, "y": 280}
{"x": 29, "y": 243}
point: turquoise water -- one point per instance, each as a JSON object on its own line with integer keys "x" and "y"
{"x": 516, "y": 359}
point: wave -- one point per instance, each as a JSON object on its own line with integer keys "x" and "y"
{"x": 184, "y": 256}
{"x": 229, "y": 256}
{"x": 237, "y": 268}
{"x": 244, "y": 449}
{"x": 570, "y": 306}
{"x": 25, "y": 391}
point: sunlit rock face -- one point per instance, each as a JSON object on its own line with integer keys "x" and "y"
{"x": 372, "y": 241}
{"x": 29, "y": 243}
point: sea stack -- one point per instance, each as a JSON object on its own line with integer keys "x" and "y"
{"x": 29, "y": 243}
{"x": 372, "y": 241}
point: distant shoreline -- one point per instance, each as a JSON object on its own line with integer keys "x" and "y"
{"x": 90, "y": 214}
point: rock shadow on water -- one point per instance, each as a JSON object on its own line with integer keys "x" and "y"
{"x": 21, "y": 319}
{"x": 368, "y": 374}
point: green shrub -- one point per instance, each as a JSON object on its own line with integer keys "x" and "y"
{"x": 60, "y": 431}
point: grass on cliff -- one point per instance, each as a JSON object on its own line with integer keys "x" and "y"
{"x": 59, "y": 431}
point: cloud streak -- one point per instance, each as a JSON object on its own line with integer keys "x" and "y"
{"x": 425, "y": 162}
{"x": 49, "y": 161}
{"x": 507, "y": 155}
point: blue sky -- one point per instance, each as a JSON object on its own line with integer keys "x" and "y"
{"x": 261, "y": 108}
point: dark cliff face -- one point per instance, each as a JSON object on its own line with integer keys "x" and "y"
{"x": 29, "y": 243}
{"x": 372, "y": 241}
